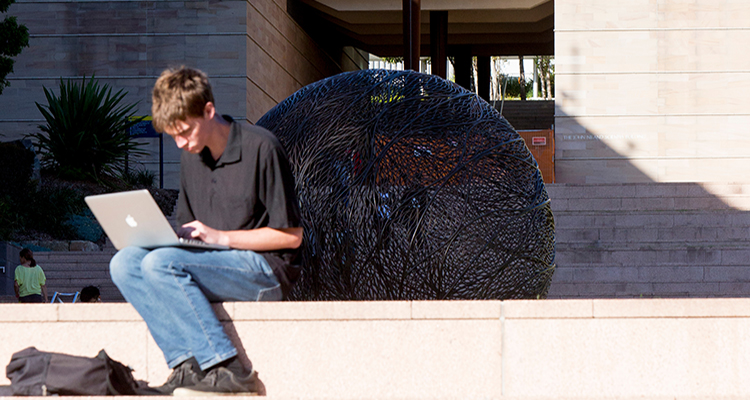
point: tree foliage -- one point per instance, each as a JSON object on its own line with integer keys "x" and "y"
{"x": 13, "y": 38}
{"x": 546, "y": 69}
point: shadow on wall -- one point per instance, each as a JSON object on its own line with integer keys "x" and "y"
{"x": 642, "y": 239}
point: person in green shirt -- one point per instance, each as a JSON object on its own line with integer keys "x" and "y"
{"x": 30, "y": 283}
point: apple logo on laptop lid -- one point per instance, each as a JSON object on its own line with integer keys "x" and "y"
{"x": 131, "y": 221}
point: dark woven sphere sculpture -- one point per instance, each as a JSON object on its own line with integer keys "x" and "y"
{"x": 412, "y": 187}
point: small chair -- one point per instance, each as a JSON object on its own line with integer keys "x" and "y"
{"x": 58, "y": 296}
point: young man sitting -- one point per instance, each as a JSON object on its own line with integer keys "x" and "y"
{"x": 236, "y": 189}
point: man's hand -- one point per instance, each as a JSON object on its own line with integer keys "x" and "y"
{"x": 197, "y": 230}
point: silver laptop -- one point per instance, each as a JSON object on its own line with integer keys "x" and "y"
{"x": 134, "y": 219}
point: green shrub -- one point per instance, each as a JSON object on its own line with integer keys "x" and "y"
{"x": 513, "y": 88}
{"x": 9, "y": 219}
{"x": 49, "y": 210}
{"x": 87, "y": 131}
{"x": 85, "y": 226}
{"x": 16, "y": 167}
{"x": 139, "y": 178}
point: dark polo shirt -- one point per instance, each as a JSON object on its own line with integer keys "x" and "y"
{"x": 250, "y": 186}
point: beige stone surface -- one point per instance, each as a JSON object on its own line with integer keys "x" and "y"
{"x": 94, "y": 312}
{"x": 651, "y": 51}
{"x": 522, "y": 309}
{"x": 638, "y": 136}
{"x": 156, "y": 371}
{"x": 666, "y": 149}
{"x": 376, "y": 359}
{"x": 671, "y": 308}
{"x": 649, "y": 14}
{"x": 28, "y": 313}
{"x": 659, "y": 83}
{"x": 545, "y": 349}
{"x": 626, "y": 357}
{"x": 324, "y": 310}
{"x": 652, "y": 94}
{"x": 478, "y": 309}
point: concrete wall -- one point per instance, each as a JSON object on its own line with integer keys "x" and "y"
{"x": 253, "y": 51}
{"x": 652, "y": 90}
{"x": 543, "y": 349}
{"x": 8, "y": 261}
{"x": 282, "y": 58}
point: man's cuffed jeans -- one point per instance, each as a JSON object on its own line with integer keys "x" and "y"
{"x": 173, "y": 288}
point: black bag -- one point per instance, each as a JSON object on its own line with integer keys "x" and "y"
{"x": 40, "y": 373}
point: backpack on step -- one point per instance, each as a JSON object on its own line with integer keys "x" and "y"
{"x": 40, "y": 373}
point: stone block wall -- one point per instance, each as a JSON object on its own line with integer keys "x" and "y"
{"x": 427, "y": 350}
{"x": 651, "y": 91}
{"x": 254, "y": 52}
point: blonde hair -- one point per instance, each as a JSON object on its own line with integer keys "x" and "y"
{"x": 179, "y": 93}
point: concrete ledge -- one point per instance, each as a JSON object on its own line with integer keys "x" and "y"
{"x": 549, "y": 349}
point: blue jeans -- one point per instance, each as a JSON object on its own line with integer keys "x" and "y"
{"x": 173, "y": 288}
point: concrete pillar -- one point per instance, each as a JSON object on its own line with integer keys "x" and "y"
{"x": 483, "y": 77}
{"x": 439, "y": 42}
{"x": 412, "y": 21}
{"x": 463, "y": 67}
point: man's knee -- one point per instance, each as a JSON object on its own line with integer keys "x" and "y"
{"x": 123, "y": 263}
{"x": 159, "y": 260}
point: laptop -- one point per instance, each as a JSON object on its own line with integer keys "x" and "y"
{"x": 134, "y": 219}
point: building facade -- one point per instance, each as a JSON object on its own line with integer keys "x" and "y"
{"x": 652, "y": 91}
{"x": 646, "y": 90}
{"x": 254, "y": 52}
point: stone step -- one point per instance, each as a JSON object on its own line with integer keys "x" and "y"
{"x": 646, "y": 290}
{"x": 69, "y": 272}
{"x": 420, "y": 350}
{"x": 691, "y": 237}
{"x": 671, "y": 220}
{"x": 647, "y": 190}
{"x": 687, "y": 235}
{"x": 649, "y": 196}
{"x": 723, "y": 254}
{"x": 73, "y": 257}
{"x": 668, "y": 204}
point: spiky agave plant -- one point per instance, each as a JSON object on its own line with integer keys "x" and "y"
{"x": 87, "y": 131}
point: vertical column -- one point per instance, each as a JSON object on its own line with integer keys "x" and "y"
{"x": 438, "y": 42}
{"x": 463, "y": 66}
{"x": 483, "y": 77}
{"x": 522, "y": 78}
{"x": 412, "y": 20}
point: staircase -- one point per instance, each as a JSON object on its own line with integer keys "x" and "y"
{"x": 651, "y": 240}
{"x": 528, "y": 115}
{"x": 613, "y": 241}
{"x": 70, "y": 271}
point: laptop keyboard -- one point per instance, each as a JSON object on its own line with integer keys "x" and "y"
{"x": 195, "y": 242}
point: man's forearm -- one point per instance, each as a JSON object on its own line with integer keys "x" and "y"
{"x": 263, "y": 239}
